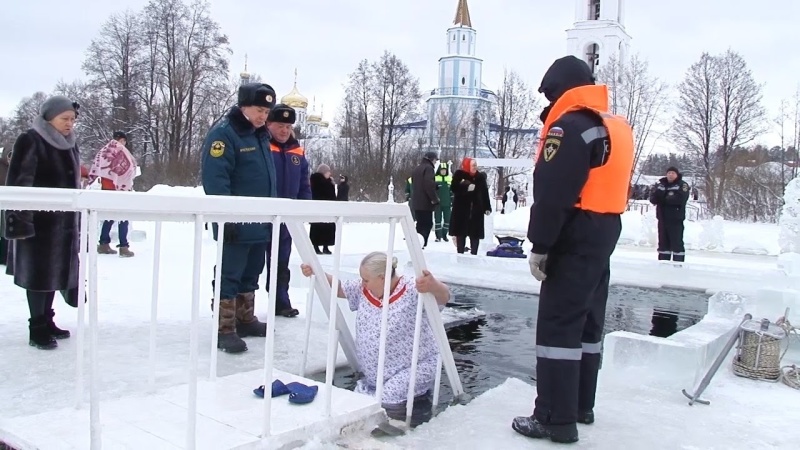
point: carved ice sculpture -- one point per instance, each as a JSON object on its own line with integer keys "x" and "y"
{"x": 789, "y": 236}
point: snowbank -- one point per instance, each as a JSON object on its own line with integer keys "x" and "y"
{"x": 789, "y": 237}
{"x": 176, "y": 190}
{"x": 641, "y": 229}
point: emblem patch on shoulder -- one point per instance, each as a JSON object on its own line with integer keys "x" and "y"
{"x": 551, "y": 146}
{"x": 217, "y": 149}
{"x": 295, "y": 160}
{"x": 557, "y": 132}
{"x": 685, "y": 187}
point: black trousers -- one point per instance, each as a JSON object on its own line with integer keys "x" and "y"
{"x": 284, "y": 275}
{"x": 242, "y": 264}
{"x": 569, "y": 330}
{"x": 670, "y": 241}
{"x": 424, "y": 224}
{"x": 461, "y": 244}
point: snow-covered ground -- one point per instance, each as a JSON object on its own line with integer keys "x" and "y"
{"x": 32, "y": 380}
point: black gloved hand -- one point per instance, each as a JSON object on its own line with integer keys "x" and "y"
{"x": 231, "y": 233}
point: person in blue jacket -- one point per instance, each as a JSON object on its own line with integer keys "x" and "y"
{"x": 237, "y": 161}
{"x": 291, "y": 168}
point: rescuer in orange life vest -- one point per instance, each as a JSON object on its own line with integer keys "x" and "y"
{"x": 583, "y": 167}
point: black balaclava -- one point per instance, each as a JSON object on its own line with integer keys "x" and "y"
{"x": 566, "y": 73}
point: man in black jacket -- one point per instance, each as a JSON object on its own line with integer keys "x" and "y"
{"x": 423, "y": 196}
{"x": 670, "y": 195}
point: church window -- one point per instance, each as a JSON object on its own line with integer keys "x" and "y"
{"x": 593, "y": 56}
{"x": 463, "y": 81}
{"x": 463, "y": 38}
{"x": 594, "y": 9}
{"x": 454, "y": 37}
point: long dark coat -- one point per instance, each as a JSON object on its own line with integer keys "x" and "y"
{"x": 423, "y": 181}
{"x": 43, "y": 252}
{"x": 469, "y": 208}
{"x": 322, "y": 189}
{"x": 343, "y": 191}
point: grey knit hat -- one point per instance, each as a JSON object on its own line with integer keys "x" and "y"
{"x": 323, "y": 168}
{"x": 56, "y": 105}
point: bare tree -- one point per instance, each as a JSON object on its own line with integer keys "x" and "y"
{"x": 780, "y": 121}
{"x": 637, "y": 95}
{"x": 719, "y": 110}
{"x": 695, "y": 127}
{"x": 742, "y": 117}
{"x": 515, "y": 114}
{"x": 380, "y": 97}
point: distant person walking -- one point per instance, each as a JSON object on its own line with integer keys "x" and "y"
{"x": 323, "y": 234}
{"x": 116, "y": 168}
{"x": 670, "y": 196}
{"x": 424, "y": 198}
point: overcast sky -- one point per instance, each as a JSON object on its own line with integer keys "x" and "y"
{"x": 45, "y": 40}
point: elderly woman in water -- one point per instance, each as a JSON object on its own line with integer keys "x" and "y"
{"x": 365, "y": 296}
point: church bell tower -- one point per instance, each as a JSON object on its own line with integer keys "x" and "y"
{"x": 598, "y": 32}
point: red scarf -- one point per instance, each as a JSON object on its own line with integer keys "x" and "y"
{"x": 393, "y": 298}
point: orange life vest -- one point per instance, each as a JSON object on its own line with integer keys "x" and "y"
{"x": 299, "y": 151}
{"x": 606, "y": 189}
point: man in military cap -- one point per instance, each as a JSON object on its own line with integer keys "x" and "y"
{"x": 237, "y": 162}
{"x": 292, "y": 181}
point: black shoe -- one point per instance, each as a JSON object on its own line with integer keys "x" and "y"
{"x": 444, "y": 238}
{"x": 254, "y": 328}
{"x": 288, "y": 312}
{"x": 231, "y": 343}
{"x": 56, "y": 332}
{"x": 586, "y": 417}
{"x": 326, "y": 251}
{"x": 317, "y": 250}
{"x": 40, "y": 335}
{"x": 532, "y": 428}
{"x": 438, "y": 240}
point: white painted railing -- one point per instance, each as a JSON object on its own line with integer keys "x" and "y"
{"x": 94, "y": 206}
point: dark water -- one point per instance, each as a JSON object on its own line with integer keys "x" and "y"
{"x": 502, "y": 345}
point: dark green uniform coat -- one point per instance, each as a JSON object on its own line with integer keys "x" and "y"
{"x": 237, "y": 161}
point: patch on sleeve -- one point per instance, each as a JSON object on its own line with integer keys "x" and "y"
{"x": 551, "y": 146}
{"x": 217, "y": 149}
{"x": 685, "y": 187}
{"x": 556, "y": 132}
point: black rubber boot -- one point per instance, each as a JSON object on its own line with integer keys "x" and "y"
{"x": 56, "y": 332}
{"x": 532, "y": 428}
{"x": 246, "y": 322}
{"x": 227, "y": 339}
{"x": 40, "y": 335}
{"x": 586, "y": 417}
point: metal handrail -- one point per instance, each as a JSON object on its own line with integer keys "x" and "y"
{"x": 96, "y": 205}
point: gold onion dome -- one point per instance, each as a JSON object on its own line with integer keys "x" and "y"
{"x": 314, "y": 118}
{"x": 295, "y": 99}
{"x": 324, "y": 123}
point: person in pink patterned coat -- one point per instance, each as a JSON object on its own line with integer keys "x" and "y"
{"x": 116, "y": 168}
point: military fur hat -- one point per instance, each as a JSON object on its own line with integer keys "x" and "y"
{"x": 282, "y": 114}
{"x": 256, "y": 94}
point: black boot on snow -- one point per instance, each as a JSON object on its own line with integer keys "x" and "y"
{"x": 40, "y": 335}
{"x": 586, "y": 417}
{"x": 246, "y": 322}
{"x": 231, "y": 343}
{"x": 56, "y": 332}
{"x": 227, "y": 339}
{"x": 532, "y": 428}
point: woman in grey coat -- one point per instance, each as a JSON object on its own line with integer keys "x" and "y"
{"x": 43, "y": 247}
